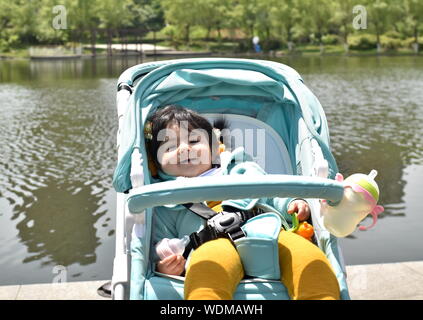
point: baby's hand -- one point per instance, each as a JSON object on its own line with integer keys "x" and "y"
{"x": 173, "y": 265}
{"x": 301, "y": 207}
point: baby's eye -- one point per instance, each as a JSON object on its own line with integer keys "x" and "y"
{"x": 194, "y": 140}
{"x": 171, "y": 148}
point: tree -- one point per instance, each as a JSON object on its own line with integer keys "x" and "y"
{"x": 244, "y": 16}
{"x": 113, "y": 15}
{"x": 343, "y": 17}
{"x": 263, "y": 18}
{"x": 6, "y": 37}
{"x": 44, "y": 29}
{"x": 212, "y": 14}
{"x": 413, "y": 11}
{"x": 22, "y": 19}
{"x": 148, "y": 14}
{"x": 181, "y": 13}
{"x": 379, "y": 17}
{"x": 285, "y": 15}
{"x": 83, "y": 15}
{"x": 84, "y": 20}
{"x": 317, "y": 14}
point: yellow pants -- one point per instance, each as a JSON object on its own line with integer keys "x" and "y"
{"x": 215, "y": 270}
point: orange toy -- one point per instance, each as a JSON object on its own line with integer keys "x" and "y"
{"x": 305, "y": 230}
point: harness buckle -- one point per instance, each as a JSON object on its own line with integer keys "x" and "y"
{"x": 226, "y": 222}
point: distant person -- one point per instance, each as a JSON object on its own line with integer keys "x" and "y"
{"x": 256, "y": 44}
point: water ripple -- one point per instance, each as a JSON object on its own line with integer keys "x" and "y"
{"x": 57, "y": 132}
{"x": 58, "y": 157}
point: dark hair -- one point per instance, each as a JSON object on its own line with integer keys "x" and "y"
{"x": 175, "y": 113}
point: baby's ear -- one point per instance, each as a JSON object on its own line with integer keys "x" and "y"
{"x": 215, "y": 153}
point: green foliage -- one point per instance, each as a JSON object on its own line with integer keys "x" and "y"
{"x": 330, "y": 39}
{"x": 321, "y": 22}
{"x": 363, "y": 41}
{"x": 389, "y": 43}
{"x": 380, "y": 15}
{"x": 317, "y": 14}
{"x": 148, "y": 13}
{"x": 8, "y": 42}
{"x": 408, "y": 42}
{"x": 114, "y": 14}
{"x": 393, "y": 34}
{"x": 285, "y": 17}
{"x": 343, "y": 17}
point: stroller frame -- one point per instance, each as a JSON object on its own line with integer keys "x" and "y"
{"x": 317, "y": 164}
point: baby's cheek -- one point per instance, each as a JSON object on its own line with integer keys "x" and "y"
{"x": 206, "y": 154}
{"x": 168, "y": 159}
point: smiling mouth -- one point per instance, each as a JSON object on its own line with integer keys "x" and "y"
{"x": 186, "y": 161}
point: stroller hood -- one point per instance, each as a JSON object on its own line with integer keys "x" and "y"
{"x": 237, "y": 86}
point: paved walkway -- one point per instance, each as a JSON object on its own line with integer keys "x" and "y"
{"x": 146, "y": 47}
{"x": 53, "y": 291}
{"x": 394, "y": 281}
{"x": 390, "y": 281}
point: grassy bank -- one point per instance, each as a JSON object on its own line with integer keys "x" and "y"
{"x": 19, "y": 53}
{"x": 232, "y": 47}
{"x": 241, "y": 48}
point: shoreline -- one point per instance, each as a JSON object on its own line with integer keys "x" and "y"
{"x": 149, "y": 51}
{"x": 214, "y": 54}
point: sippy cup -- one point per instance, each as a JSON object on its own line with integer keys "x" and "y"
{"x": 166, "y": 247}
{"x": 361, "y": 194}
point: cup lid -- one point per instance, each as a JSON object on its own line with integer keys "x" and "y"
{"x": 367, "y": 182}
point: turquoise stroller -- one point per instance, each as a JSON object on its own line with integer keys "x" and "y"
{"x": 265, "y": 100}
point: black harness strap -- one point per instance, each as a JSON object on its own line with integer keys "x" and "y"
{"x": 207, "y": 234}
{"x": 198, "y": 238}
{"x": 201, "y": 210}
{"x": 226, "y": 224}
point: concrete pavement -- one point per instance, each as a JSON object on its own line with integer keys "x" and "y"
{"x": 148, "y": 49}
{"x": 145, "y": 47}
{"x": 53, "y": 291}
{"x": 390, "y": 281}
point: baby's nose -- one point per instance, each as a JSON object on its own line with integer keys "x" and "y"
{"x": 183, "y": 151}
{"x": 183, "y": 147}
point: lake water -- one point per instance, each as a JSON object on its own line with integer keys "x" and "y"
{"x": 57, "y": 136}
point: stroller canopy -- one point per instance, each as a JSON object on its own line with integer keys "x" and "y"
{"x": 271, "y": 92}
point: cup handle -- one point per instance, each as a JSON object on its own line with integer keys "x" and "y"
{"x": 374, "y": 213}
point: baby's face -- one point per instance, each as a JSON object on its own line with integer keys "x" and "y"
{"x": 184, "y": 153}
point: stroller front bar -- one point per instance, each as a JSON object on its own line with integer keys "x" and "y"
{"x": 201, "y": 189}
